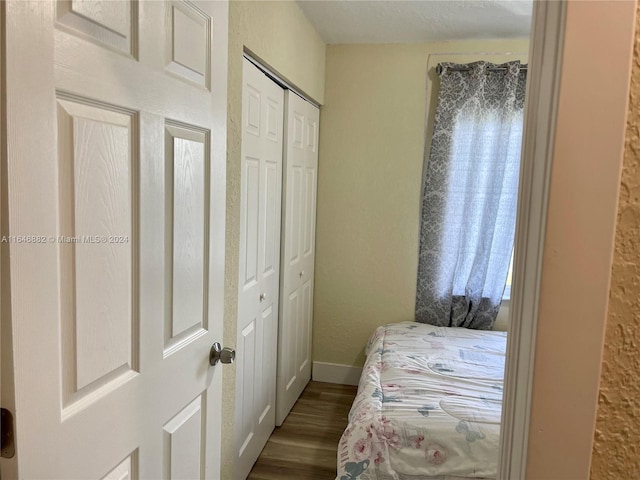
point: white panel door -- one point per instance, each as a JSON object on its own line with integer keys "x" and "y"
{"x": 116, "y": 165}
{"x": 298, "y": 252}
{"x": 261, "y": 190}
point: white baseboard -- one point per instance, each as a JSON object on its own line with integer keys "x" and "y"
{"x": 334, "y": 373}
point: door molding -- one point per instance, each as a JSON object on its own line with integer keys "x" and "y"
{"x": 276, "y": 77}
{"x": 545, "y": 62}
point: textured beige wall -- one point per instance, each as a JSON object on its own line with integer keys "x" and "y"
{"x": 372, "y": 131}
{"x": 579, "y": 240}
{"x": 616, "y": 451}
{"x": 281, "y": 36}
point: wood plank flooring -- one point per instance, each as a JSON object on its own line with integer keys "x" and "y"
{"x": 305, "y": 446}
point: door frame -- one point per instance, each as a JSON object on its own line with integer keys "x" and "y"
{"x": 279, "y": 80}
{"x": 543, "y": 83}
{"x": 548, "y": 35}
{"x": 539, "y": 440}
{"x": 275, "y": 76}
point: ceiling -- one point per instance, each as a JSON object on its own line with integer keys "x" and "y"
{"x": 402, "y": 21}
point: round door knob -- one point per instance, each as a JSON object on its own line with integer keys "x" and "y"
{"x": 263, "y": 297}
{"x": 219, "y": 354}
{"x": 301, "y": 273}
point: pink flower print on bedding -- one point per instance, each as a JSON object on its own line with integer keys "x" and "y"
{"x": 385, "y": 432}
{"x": 417, "y": 441}
{"x": 435, "y": 454}
{"x": 362, "y": 449}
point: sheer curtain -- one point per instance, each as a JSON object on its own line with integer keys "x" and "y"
{"x": 470, "y": 194}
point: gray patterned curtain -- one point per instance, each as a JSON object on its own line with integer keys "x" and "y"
{"x": 470, "y": 195}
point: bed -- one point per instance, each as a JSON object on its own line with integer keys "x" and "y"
{"x": 428, "y": 405}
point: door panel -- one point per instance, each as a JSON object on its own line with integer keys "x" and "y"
{"x": 271, "y": 219}
{"x": 187, "y": 196}
{"x": 304, "y": 340}
{"x": 111, "y": 24}
{"x": 184, "y": 448}
{"x": 124, "y": 471}
{"x": 289, "y": 346}
{"x": 246, "y": 411}
{"x": 249, "y": 241}
{"x": 309, "y": 208}
{"x": 301, "y": 166}
{"x": 118, "y": 164}
{"x": 294, "y": 209}
{"x": 187, "y": 56}
{"x": 97, "y": 175}
{"x": 267, "y": 365}
{"x": 260, "y": 203}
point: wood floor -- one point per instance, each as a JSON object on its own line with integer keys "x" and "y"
{"x": 305, "y": 446}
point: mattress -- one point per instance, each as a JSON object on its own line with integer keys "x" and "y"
{"x": 428, "y": 405}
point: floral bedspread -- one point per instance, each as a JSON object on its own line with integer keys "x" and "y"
{"x": 428, "y": 405}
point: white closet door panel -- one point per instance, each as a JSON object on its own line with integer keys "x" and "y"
{"x": 311, "y": 168}
{"x": 246, "y": 415}
{"x": 288, "y": 347}
{"x": 295, "y": 188}
{"x": 311, "y": 171}
{"x": 260, "y": 210}
{"x": 249, "y": 239}
{"x": 297, "y": 125}
{"x": 270, "y": 217}
{"x": 298, "y": 252}
{"x": 266, "y": 381}
{"x": 304, "y": 328}
{"x": 309, "y": 224}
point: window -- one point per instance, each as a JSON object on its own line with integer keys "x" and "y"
{"x": 507, "y": 289}
{"x": 477, "y": 161}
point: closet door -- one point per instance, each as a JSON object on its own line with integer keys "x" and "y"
{"x": 259, "y": 282}
{"x": 298, "y": 252}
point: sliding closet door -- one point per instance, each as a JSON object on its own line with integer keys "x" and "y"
{"x": 261, "y": 191}
{"x": 298, "y": 252}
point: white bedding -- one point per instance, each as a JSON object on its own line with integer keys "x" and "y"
{"x": 428, "y": 405}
